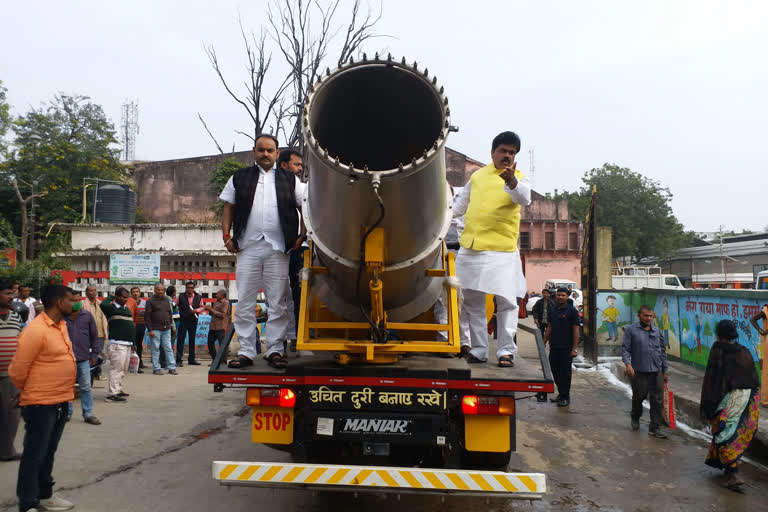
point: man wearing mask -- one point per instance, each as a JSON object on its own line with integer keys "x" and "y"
{"x": 86, "y": 346}
{"x": 261, "y": 205}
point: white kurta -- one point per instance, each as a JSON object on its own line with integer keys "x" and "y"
{"x": 492, "y": 272}
{"x": 262, "y": 265}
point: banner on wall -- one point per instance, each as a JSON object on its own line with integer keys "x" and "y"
{"x": 134, "y": 268}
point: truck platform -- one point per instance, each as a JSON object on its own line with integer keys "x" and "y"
{"x": 531, "y": 372}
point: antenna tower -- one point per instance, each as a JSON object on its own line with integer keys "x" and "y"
{"x": 531, "y": 163}
{"x": 129, "y": 128}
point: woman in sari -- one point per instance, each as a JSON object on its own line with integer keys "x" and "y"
{"x": 730, "y": 400}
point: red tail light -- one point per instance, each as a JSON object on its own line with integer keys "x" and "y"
{"x": 287, "y": 398}
{"x": 488, "y": 405}
{"x": 270, "y": 397}
{"x": 469, "y": 404}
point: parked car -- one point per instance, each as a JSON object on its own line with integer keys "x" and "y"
{"x": 553, "y": 284}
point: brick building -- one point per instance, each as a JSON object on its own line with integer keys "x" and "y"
{"x": 175, "y": 199}
{"x": 550, "y": 240}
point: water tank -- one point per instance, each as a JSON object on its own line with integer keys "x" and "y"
{"x": 115, "y": 204}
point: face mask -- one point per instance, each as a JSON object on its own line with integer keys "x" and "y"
{"x": 77, "y": 306}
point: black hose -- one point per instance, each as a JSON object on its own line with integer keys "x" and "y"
{"x": 382, "y": 212}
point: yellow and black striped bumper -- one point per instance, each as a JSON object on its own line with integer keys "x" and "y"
{"x": 382, "y": 479}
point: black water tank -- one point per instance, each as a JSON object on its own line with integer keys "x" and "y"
{"x": 115, "y": 204}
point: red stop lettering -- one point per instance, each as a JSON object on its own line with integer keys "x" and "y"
{"x": 258, "y": 424}
{"x": 267, "y": 418}
{"x": 286, "y": 420}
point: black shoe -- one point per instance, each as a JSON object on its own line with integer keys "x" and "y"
{"x": 563, "y": 402}
{"x": 17, "y": 456}
{"x": 635, "y": 424}
{"x": 657, "y": 434}
{"x": 179, "y": 364}
{"x": 115, "y": 399}
{"x": 123, "y": 394}
{"x": 555, "y": 399}
{"x": 139, "y": 370}
{"x": 193, "y": 363}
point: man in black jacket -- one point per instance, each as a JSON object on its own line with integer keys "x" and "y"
{"x": 190, "y": 304}
{"x": 261, "y": 205}
{"x": 541, "y": 310}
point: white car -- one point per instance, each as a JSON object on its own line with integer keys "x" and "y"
{"x": 554, "y": 284}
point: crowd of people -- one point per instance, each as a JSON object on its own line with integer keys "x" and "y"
{"x": 49, "y": 346}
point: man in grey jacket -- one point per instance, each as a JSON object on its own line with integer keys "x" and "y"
{"x": 645, "y": 358}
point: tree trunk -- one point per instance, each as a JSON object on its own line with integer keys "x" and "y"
{"x": 24, "y": 226}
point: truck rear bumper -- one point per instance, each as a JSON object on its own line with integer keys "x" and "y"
{"x": 382, "y": 479}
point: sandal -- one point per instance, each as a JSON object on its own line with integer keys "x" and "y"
{"x": 240, "y": 362}
{"x": 276, "y": 360}
{"x": 506, "y": 362}
{"x": 473, "y": 359}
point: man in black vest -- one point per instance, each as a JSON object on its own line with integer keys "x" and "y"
{"x": 290, "y": 160}
{"x": 190, "y": 305}
{"x": 260, "y": 206}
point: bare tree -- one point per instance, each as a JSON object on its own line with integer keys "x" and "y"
{"x": 303, "y": 31}
{"x": 24, "y": 219}
{"x": 260, "y": 107}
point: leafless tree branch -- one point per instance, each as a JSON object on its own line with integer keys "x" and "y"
{"x": 210, "y": 134}
{"x": 302, "y": 30}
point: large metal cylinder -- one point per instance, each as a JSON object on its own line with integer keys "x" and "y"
{"x": 385, "y": 119}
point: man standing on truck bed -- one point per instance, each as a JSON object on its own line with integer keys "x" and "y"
{"x": 260, "y": 205}
{"x": 488, "y": 261}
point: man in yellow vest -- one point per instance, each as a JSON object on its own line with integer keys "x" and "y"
{"x": 488, "y": 260}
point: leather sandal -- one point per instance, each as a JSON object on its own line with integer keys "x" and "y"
{"x": 276, "y": 360}
{"x": 240, "y": 362}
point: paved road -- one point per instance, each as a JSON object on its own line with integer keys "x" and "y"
{"x": 154, "y": 453}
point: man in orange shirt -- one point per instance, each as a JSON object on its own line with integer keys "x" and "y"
{"x": 43, "y": 369}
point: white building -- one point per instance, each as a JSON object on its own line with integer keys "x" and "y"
{"x": 188, "y": 252}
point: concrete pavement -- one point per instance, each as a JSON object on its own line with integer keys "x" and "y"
{"x": 685, "y": 382}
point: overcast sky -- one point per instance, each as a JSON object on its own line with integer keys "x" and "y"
{"x": 677, "y": 90}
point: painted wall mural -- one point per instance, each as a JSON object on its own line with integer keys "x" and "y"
{"x": 687, "y": 321}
